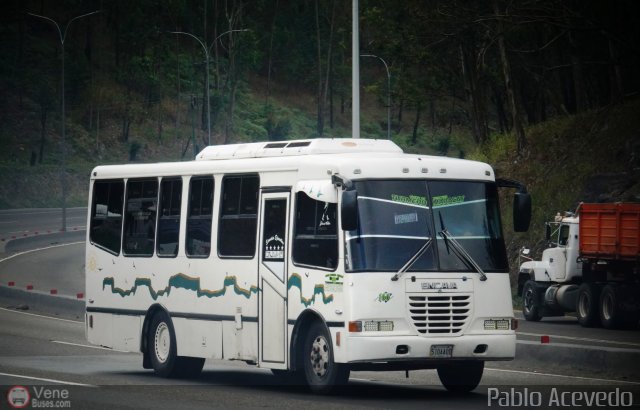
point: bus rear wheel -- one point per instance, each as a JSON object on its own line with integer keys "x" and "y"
{"x": 161, "y": 348}
{"x": 321, "y": 373}
{"x": 461, "y": 377}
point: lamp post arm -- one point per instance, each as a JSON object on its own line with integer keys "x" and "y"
{"x": 206, "y": 51}
{"x": 51, "y": 21}
{"x": 74, "y": 19}
{"x": 386, "y": 67}
{"x": 226, "y": 32}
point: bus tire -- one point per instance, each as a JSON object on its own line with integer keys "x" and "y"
{"x": 321, "y": 373}
{"x": 531, "y": 308}
{"x": 587, "y": 304}
{"x": 162, "y": 345}
{"x": 461, "y": 377}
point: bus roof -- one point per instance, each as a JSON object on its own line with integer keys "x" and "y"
{"x": 311, "y": 159}
{"x": 297, "y": 147}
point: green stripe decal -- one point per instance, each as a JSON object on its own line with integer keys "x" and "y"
{"x": 296, "y": 280}
{"x": 180, "y": 281}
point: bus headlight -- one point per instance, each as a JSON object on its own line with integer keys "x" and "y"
{"x": 371, "y": 326}
{"x": 497, "y": 324}
{"x": 378, "y": 326}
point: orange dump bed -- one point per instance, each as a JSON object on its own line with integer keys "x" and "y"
{"x": 610, "y": 231}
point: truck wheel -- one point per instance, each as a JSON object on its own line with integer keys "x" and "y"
{"x": 587, "y": 305}
{"x": 321, "y": 372}
{"x": 461, "y": 377}
{"x": 610, "y": 314}
{"x": 531, "y": 302}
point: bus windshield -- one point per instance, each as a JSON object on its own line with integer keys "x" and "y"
{"x": 397, "y": 217}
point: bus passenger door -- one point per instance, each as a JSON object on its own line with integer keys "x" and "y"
{"x": 273, "y": 280}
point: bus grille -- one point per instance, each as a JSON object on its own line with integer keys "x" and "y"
{"x": 439, "y": 315}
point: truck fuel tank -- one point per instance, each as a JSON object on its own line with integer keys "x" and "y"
{"x": 564, "y": 297}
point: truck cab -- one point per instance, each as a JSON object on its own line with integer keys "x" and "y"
{"x": 559, "y": 262}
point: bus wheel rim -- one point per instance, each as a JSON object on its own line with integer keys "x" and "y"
{"x": 320, "y": 356}
{"x": 162, "y": 342}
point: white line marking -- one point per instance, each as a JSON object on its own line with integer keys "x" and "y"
{"x": 42, "y": 316}
{"x": 582, "y": 339}
{"x": 39, "y": 249}
{"x": 53, "y": 211}
{"x": 47, "y": 380}
{"x": 89, "y": 346}
{"x": 7, "y": 222}
{"x": 577, "y": 346}
{"x": 561, "y": 375}
{"x": 43, "y": 231}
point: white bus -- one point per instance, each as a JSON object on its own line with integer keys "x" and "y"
{"x": 308, "y": 257}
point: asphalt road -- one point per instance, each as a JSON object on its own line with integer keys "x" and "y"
{"x": 40, "y": 350}
{"x": 16, "y": 223}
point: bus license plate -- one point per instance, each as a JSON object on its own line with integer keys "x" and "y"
{"x": 441, "y": 351}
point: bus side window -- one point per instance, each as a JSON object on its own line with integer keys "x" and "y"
{"x": 239, "y": 216}
{"x": 315, "y": 240}
{"x": 200, "y": 216}
{"x": 169, "y": 217}
{"x": 106, "y": 214}
{"x": 140, "y": 217}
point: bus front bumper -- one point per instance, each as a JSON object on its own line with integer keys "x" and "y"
{"x": 429, "y": 352}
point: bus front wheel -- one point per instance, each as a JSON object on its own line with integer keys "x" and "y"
{"x": 322, "y": 374}
{"x": 461, "y": 377}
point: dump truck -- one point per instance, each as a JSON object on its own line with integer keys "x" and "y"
{"x": 591, "y": 267}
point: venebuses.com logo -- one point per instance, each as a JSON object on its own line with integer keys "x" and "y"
{"x": 18, "y": 397}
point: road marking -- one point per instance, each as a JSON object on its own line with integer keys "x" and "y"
{"x": 89, "y": 346}
{"x": 37, "y": 212}
{"x": 43, "y": 231}
{"x": 42, "y": 316}
{"x": 577, "y": 346}
{"x": 47, "y": 380}
{"x": 7, "y": 222}
{"x": 39, "y": 249}
{"x": 581, "y": 339}
{"x": 561, "y": 375}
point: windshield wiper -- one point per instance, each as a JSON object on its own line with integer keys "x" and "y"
{"x": 459, "y": 250}
{"x": 413, "y": 259}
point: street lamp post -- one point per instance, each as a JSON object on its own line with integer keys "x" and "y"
{"x": 388, "y": 92}
{"x": 63, "y": 36}
{"x": 206, "y": 54}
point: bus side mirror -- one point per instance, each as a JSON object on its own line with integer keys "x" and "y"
{"x": 521, "y": 211}
{"x": 349, "y": 210}
{"x": 547, "y": 232}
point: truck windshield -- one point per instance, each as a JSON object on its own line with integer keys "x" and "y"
{"x": 396, "y": 217}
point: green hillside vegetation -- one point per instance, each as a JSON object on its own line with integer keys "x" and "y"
{"x": 589, "y": 157}
{"x": 546, "y": 91}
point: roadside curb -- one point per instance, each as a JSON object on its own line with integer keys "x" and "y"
{"x": 58, "y": 305}
{"x": 583, "y": 358}
{"x": 20, "y": 243}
